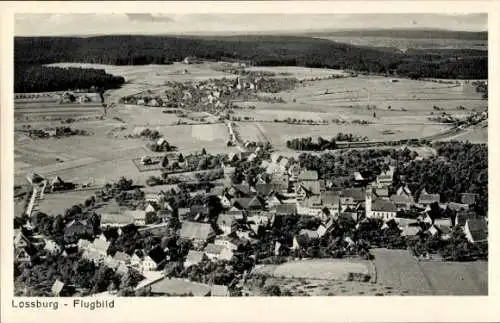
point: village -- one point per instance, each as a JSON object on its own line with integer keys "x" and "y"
{"x": 201, "y": 240}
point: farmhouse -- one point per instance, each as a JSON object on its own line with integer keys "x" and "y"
{"x": 476, "y": 230}
{"x": 198, "y": 233}
{"x": 426, "y": 199}
{"x": 227, "y": 223}
{"x": 193, "y": 258}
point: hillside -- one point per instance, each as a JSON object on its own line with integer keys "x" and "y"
{"x": 257, "y": 50}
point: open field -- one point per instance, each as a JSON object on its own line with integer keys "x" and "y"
{"x": 57, "y": 203}
{"x": 326, "y": 269}
{"x": 317, "y": 287}
{"x": 38, "y": 110}
{"x": 156, "y": 74}
{"x": 398, "y": 268}
{"x": 300, "y": 73}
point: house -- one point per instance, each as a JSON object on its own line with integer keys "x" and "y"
{"x": 229, "y": 243}
{"x": 381, "y": 192}
{"x": 308, "y": 188}
{"x": 308, "y": 175}
{"x": 402, "y": 202}
{"x": 20, "y": 240}
{"x": 426, "y": 199}
{"x": 219, "y": 291}
{"x": 476, "y": 230}
{"x": 294, "y": 171}
{"x": 409, "y": 230}
{"x": 150, "y": 208}
{"x": 462, "y": 217}
{"x": 352, "y": 196}
{"x": 51, "y": 247}
{"x": 457, "y": 206}
{"x": 198, "y": 233}
{"x": 443, "y": 232}
{"x": 77, "y": 228}
{"x": 59, "y": 289}
{"x": 100, "y": 246}
{"x": 404, "y": 190}
{"x": 385, "y": 178}
{"x": 468, "y": 198}
{"x": 122, "y": 257}
{"x": 321, "y": 230}
{"x": 24, "y": 255}
{"x": 218, "y": 252}
{"x": 198, "y": 211}
{"x": 265, "y": 190}
{"x": 94, "y": 256}
{"x": 241, "y": 190}
{"x": 236, "y": 213}
{"x": 331, "y": 201}
{"x": 111, "y": 263}
{"x": 286, "y": 209}
{"x": 444, "y": 222}
{"x": 273, "y": 200}
{"x": 115, "y": 220}
{"x": 138, "y": 216}
{"x": 227, "y": 223}
{"x": 250, "y": 204}
{"x": 83, "y": 244}
{"x": 155, "y": 258}
{"x": 193, "y": 258}
{"x": 358, "y": 177}
{"x": 381, "y": 209}
{"x": 179, "y": 287}
{"x": 310, "y": 234}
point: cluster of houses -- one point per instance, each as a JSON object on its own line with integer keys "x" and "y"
{"x": 284, "y": 189}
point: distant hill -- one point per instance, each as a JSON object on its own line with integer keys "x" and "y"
{"x": 259, "y": 50}
{"x": 404, "y": 33}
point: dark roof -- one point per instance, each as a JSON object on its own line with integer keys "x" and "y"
{"x": 248, "y": 202}
{"x": 243, "y": 188}
{"x": 157, "y": 254}
{"x": 330, "y": 198}
{"x": 478, "y": 229}
{"x": 285, "y": 209}
{"x": 468, "y": 198}
{"x": 226, "y": 219}
{"x": 265, "y": 189}
{"x": 195, "y": 209}
{"x": 463, "y": 216}
{"x": 312, "y": 187}
{"x": 196, "y": 230}
{"x": 380, "y": 205}
{"x": 428, "y": 198}
{"x": 356, "y": 193}
{"x": 402, "y": 199}
{"x": 458, "y": 206}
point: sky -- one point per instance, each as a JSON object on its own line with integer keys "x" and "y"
{"x": 141, "y": 23}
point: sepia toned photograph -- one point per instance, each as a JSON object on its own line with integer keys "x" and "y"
{"x": 244, "y": 155}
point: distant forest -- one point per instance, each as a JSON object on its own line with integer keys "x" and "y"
{"x": 256, "y": 50}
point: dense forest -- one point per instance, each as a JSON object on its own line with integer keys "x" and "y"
{"x": 44, "y": 79}
{"x": 256, "y": 50}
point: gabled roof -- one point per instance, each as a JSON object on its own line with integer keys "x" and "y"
{"x": 157, "y": 254}
{"x": 57, "y": 287}
{"x": 311, "y": 187}
{"x": 478, "y": 229}
{"x": 121, "y": 256}
{"x": 428, "y": 198}
{"x": 264, "y": 189}
{"x": 380, "y": 205}
{"x": 312, "y": 201}
{"x": 402, "y": 199}
{"x": 463, "y": 216}
{"x": 244, "y": 189}
{"x": 409, "y": 231}
{"x": 248, "y": 203}
{"x": 358, "y": 176}
{"x": 356, "y": 193}
{"x": 330, "y": 198}
{"x": 458, "y": 206}
{"x": 100, "y": 245}
{"x": 404, "y": 190}
{"x": 468, "y": 198}
{"x": 195, "y": 230}
{"x": 116, "y": 218}
{"x": 308, "y": 175}
{"x": 198, "y": 209}
{"x": 194, "y": 256}
{"x": 381, "y": 191}
{"x": 137, "y": 215}
{"x": 176, "y": 286}
{"x": 226, "y": 219}
{"x": 213, "y": 249}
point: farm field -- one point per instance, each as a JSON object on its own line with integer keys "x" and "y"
{"x": 56, "y": 203}
{"x": 325, "y": 269}
{"x": 317, "y": 287}
{"x": 156, "y": 75}
{"x": 301, "y": 73}
{"x": 398, "y": 268}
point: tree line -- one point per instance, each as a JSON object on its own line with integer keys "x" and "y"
{"x": 257, "y": 50}
{"x": 44, "y": 78}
